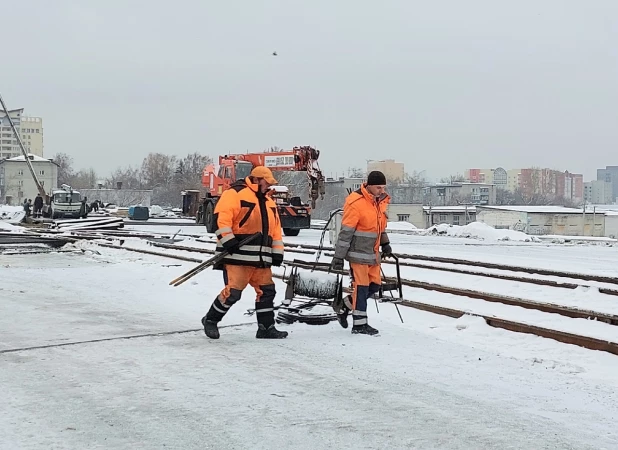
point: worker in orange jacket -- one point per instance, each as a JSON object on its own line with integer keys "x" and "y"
{"x": 242, "y": 210}
{"x": 363, "y": 232}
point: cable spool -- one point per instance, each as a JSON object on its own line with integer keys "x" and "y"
{"x": 316, "y": 285}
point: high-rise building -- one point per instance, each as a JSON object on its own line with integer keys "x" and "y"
{"x": 569, "y": 186}
{"x": 497, "y": 176}
{"x": 9, "y": 146}
{"x": 32, "y": 134}
{"x": 610, "y": 173}
{"x": 30, "y": 130}
{"x": 552, "y": 183}
{"x": 393, "y": 171}
{"x": 599, "y": 192}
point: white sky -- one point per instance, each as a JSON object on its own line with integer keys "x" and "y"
{"x": 442, "y": 86}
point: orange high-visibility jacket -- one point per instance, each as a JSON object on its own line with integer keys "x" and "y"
{"x": 241, "y": 212}
{"x": 363, "y": 228}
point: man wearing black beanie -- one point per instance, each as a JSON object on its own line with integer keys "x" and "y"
{"x": 363, "y": 232}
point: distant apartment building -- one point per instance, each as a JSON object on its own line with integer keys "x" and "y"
{"x": 570, "y": 186}
{"x": 499, "y": 177}
{"x": 599, "y": 192}
{"x": 32, "y": 135}
{"x": 394, "y": 171}
{"x": 549, "y": 182}
{"x": 610, "y": 174}
{"x": 30, "y": 130}
{"x": 460, "y": 193}
{"x": 552, "y": 183}
{"x": 9, "y": 146}
{"x": 16, "y": 182}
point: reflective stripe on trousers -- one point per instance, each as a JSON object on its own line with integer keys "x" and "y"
{"x": 366, "y": 281}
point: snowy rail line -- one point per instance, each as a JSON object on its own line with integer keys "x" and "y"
{"x": 513, "y": 301}
{"x": 434, "y": 260}
{"x": 520, "y": 327}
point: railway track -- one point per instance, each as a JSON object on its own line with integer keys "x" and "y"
{"x": 311, "y": 249}
{"x": 495, "y": 298}
{"x": 406, "y": 260}
{"x": 529, "y": 270}
{"x": 520, "y": 327}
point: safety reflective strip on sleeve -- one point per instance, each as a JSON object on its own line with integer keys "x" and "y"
{"x": 223, "y": 230}
{"x": 226, "y": 238}
{"x": 362, "y": 257}
{"x": 367, "y": 234}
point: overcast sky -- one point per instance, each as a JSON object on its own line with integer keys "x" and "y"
{"x": 439, "y": 85}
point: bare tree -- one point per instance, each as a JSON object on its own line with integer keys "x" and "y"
{"x": 158, "y": 173}
{"x": 84, "y": 179}
{"x": 457, "y": 178}
{"x": 158, "y": 170}
{"x": 538, "y": 187}
{"x": 408, "y": 190}
{"x": 356, "y": 172}
{"x": 65, "y": 168}
{"x": 130, "y": 178}
{"x": 189, "y": 170}
{"x": 505, "y": 197}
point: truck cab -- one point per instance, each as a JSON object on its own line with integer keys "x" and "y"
{"x": 66, "y": 202}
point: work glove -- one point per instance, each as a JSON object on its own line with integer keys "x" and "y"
{"x": 231, "y": 246}
{"x": 387, "y": 250}
{"x": 277, "y": 259}
{"x": 336, "y": 264}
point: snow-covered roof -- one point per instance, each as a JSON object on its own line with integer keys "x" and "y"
{"x": 602, "y": 207}
{"x": 31, "y": 157}
{"x": 456, "y": 208}
{"x": 537, "y": 209}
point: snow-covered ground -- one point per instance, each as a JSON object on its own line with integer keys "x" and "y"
{"x": 11, "y": 214}
{"x": 430, "y": 383}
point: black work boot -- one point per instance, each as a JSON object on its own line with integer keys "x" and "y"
{"x": 210, "y": 328}
{"x": 342, "y": 317}
{"x": 341, "y": 308}
{"x": 364, "y": 329}
{"x": 270, "y": 333}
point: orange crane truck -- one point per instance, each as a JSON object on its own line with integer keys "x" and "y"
{"x": 294, "y": 214}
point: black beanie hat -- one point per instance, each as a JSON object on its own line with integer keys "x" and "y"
{"x": 376, "y": 178}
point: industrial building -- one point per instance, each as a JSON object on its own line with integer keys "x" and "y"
{"x": 425, "y": 216}
{"x": 458, "y": 193}
{"x": 543, "y": 220}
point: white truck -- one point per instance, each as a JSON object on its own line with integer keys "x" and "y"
{"x": 66, "y": 202}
